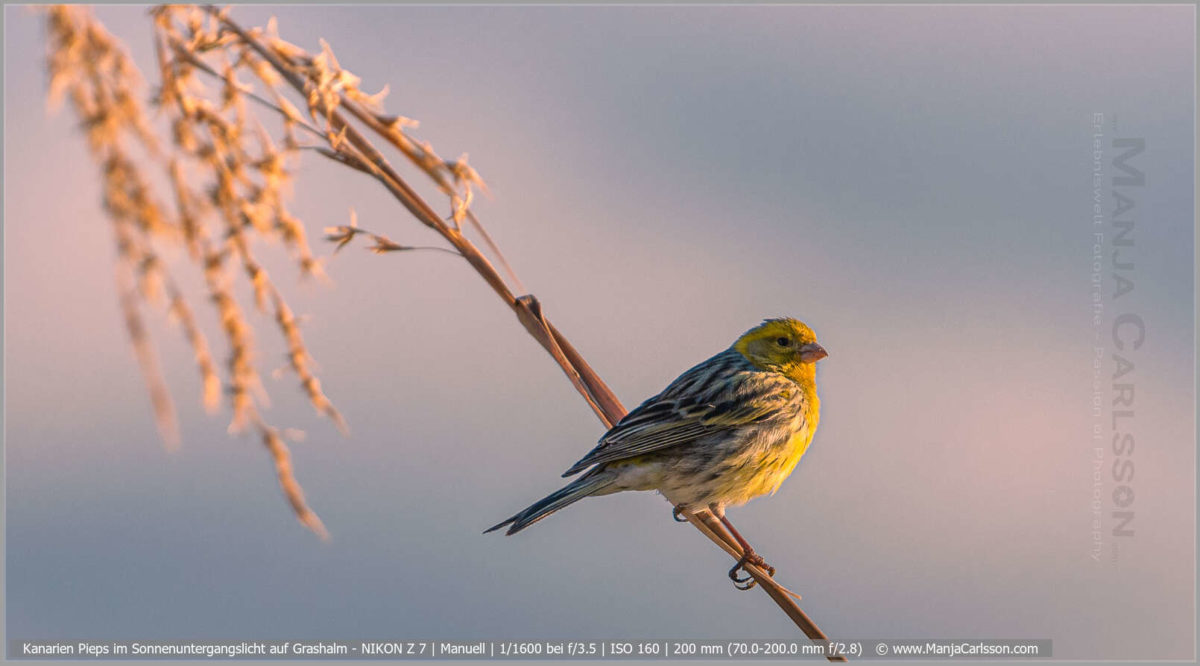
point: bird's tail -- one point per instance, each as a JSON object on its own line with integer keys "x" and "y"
{"x": 569, "y": 494}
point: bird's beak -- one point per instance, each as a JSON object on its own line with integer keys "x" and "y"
{"x": 812, "y": 352}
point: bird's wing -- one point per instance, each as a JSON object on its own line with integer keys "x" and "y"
{"x": 701, "y": 401}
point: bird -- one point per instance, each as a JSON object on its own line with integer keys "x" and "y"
{"x": 728, "y": 430}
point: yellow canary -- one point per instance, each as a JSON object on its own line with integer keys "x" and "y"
{"x": 724, "y": 432}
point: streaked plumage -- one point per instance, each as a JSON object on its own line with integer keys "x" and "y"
{"x": 724, "y": 432}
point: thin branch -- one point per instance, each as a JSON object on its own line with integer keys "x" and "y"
{"x": 527, "y": 308}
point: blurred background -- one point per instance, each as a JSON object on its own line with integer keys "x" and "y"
{"x": 914, "y": 182}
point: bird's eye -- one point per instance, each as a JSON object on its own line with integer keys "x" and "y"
{"x": 782, "y": 342}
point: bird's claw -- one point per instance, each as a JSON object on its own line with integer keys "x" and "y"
{"x": 741, "y": 583}
{"x": 747, "y": 582}
{"x": 676, "y": 512}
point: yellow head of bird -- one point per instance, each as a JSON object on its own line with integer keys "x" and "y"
{"x": 781, "y": 344}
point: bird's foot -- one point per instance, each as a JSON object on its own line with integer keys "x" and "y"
{"x": 676, "y": 513}
{"x": 746, "y": 582}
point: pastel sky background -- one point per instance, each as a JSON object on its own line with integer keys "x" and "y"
{"x": 914, "y": 182}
